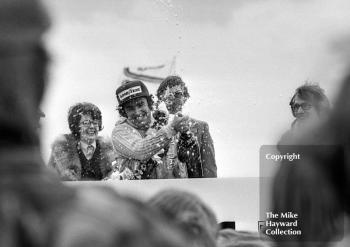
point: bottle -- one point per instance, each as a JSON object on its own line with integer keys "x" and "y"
{"x": 171, "y": 155}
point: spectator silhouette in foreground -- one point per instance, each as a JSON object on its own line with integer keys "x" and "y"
{"x": 36, "y": 209}
{"x": 233, "y": 238}
{"x": 190, "y": 213}
{"x": 82, "y": 154}
{"x": 316, "y": 187}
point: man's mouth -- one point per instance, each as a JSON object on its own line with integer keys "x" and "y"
{"x": 173, "y": 107}
{"x": 91, "y": 132}
{"x": 301, "y": 116}
{"x": 141, "y": 117}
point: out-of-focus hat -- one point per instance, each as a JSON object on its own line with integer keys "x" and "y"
{"x": 22, "y": 21}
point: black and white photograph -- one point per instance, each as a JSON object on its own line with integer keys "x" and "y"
{"x": 174, "y": 123}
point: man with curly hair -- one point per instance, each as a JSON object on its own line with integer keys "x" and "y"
{"x": 82, "y": 154}
{"x": 195, "y": 148}
{"x": 135, "y": 142}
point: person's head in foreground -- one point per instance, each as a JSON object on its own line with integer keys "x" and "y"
{"x": 23, "y": 70}
{"x": 309, "y": 103}
{"x": 135, "y": 103}
{"x": 190, "y": 213}
{"x": 316, "y": 187}
{"x": 174, "y": 93}
{"x": 232, "y": 238}
{"x": 36, "y": 209}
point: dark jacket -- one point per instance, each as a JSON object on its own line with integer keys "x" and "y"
{"x": 200, "y": 157}
{"x": 65, "y": 158}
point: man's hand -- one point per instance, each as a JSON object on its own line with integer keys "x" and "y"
{"x": 180, "y": 123}
{"x": 184, "y": 127}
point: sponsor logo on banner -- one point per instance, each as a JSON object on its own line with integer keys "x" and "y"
{"x": 129, "y": 92}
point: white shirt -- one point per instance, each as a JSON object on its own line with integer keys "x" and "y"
{"x": 84, "y": 147}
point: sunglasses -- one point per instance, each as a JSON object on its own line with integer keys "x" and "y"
{"x": 176, "y": 95}
{"x": 305, "y": 106}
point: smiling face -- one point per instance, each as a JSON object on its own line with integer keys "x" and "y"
{"x": 174, "y": 98}
{"x": 138, "y": 113}
{"x": 88, "y": 128}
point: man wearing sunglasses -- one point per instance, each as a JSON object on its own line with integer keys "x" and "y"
{"x": 82, "y": 155}
{"x": 310, "y": 106}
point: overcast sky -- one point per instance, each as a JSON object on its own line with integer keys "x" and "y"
{"x": 241, "y": 60}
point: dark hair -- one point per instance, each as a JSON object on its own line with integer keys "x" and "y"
{"x": 84, "y": 108}
{"x": 313, "y": 93}
{"x": 171, "y": 81}
{"x": 150, "y": 103}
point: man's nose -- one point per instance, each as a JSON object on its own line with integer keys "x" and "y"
{"x": 138, "y": 110}
{"x": 300, "y": 110}
{"x": 170, "y": 97}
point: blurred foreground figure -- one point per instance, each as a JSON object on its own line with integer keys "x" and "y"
{"x": 317, "y": 187}
{"x": 35, "y": 208}
{"x": 82, "y": 154}
{"x": 310, "y": 107}
{"x": 190, "y": 213}
{"x": 232, "y": 238}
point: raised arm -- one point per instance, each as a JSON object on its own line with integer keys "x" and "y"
{"x": 130, "y": 144}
